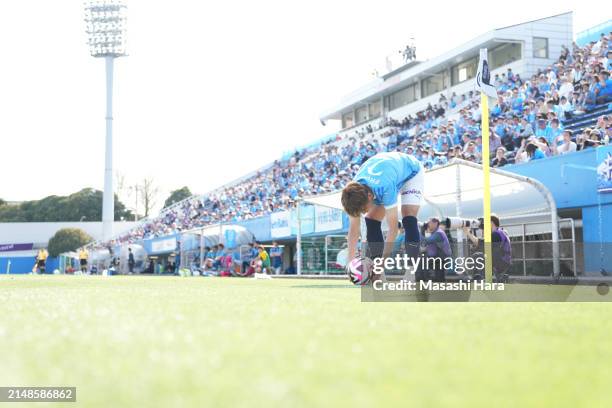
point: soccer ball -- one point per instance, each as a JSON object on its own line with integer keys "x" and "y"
{"x": 360, "y": 271}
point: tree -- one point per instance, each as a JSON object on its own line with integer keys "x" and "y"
{"x": 148, "y": 195}
{"x": 67, "y": 239}
{"x": 2, "y": 202}
{"x": 83, "y": 205}
{"x": 177, "y": 195}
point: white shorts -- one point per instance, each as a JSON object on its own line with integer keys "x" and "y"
{"x": 411, "y": 192}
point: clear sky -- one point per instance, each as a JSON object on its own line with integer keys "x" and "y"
{"x": 210, "y": 90}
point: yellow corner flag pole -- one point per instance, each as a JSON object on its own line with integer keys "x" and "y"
{"x": 483, "y": 82}
{"x": 486, "y": 200}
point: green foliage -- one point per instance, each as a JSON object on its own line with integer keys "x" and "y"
{"x": 67, "y": 239}
{"x": 177, "y": 195}
{"x": 83, "y": 205}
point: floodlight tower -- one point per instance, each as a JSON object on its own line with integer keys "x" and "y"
{"x": 106, "y": 21}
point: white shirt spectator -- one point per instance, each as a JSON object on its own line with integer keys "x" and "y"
{"x": 566, "y": 89}
{"x": 576, "y": 75}
{"x": 596, "y": 48}
{"x": 567, "y": 148}
{"x": 565, "y": 107}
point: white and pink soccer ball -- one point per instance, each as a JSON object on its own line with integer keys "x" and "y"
{"x": 360, "y": 271}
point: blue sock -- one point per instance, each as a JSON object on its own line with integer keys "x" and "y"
{"x": 412, "y": 235}
{"x": 374, "y": 236}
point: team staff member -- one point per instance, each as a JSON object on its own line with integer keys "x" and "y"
{"x": 500, "y": 246}
{"x": 131, "y": 261}
{"x": 276, "y": 256}
{"x": 374, "y": 191}
{"x": 41, "y": 260}
{"x": 83, "y": 256}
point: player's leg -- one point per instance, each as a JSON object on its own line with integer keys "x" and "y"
{"x": 374, "y": 234}
{"x": 411, "y": 228}
{"x": 411, "y": 196}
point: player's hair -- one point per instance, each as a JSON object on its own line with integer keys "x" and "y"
{"x": 355, "y": 198}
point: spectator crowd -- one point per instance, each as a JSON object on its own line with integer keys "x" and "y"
{"x": 526, "y": 123}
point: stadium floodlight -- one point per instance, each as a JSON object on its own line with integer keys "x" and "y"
{"x": 105, "y": 21}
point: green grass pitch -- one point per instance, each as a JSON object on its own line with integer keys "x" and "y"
{"x": 227, "y": 342}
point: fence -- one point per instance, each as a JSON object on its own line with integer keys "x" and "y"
{"x": 531, "y": 242}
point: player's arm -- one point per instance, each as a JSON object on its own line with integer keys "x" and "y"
{"x": 353, "y": 236}
{"x": 391, "y": 215}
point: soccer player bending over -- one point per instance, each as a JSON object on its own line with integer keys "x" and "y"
{"x": 374, "y": 192}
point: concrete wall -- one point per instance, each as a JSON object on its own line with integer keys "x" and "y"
{"x": 557, "y": 29}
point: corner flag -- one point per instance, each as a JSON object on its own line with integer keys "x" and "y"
{"x": 483, "y": 83}
{"x": 483, "y": 77}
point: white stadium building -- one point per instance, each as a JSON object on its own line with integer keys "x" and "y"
{"x": 525, "y": 48}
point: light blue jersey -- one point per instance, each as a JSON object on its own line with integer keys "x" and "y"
{"x": 386, "y": 173}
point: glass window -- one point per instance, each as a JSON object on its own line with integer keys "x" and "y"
{"x": 435, "y": 83}
{"x": 504, "y": 54}
{"x": 540, "y": 47}
{"x": 464, "y": 71}
{"x": 374, "y": 109}
{"x": 402, "y": 97}
{"x": 347, "y": 120}
{"x": 361, "y": 114}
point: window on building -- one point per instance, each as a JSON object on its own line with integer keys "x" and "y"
{"x": 347, "y": 120}
{"x": 361, "y": 114}
{"x": 540, "y": 47}
{"x": 464, "y": 71}
{"x": 435, "y": 83}
{"x": 402, "y": 97}
{"x": 374, "y": 109}
{"x": 504, "y": 55}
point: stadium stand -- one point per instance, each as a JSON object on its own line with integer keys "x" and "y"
{"x": 527, "y": 122}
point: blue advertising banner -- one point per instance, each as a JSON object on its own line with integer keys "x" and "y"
{"x": 161, "y": 245}
{"x": 327, "y": 219}
{"x": 604, "y": 169}
{"x": 307, "y": 216}
{"x": 279, "y": 224}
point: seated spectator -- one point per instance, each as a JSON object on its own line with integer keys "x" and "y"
{"x": 494, "y": 142}
{"x": 543, "y": 130}
{"x": 534, "y": 152}
{"x": 566, "y": 88}
{"x": 544, "y": 146}
{"x": 470, "y": 152}
{"x": 565, "y": 108}
{"x": 526, "y": 131}
{"x": 567, "y": 145}
{"x": 500, "y": 157}
{"x": 603, "y": 90}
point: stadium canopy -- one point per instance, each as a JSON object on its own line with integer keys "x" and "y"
{"x": 228, "y": 234}
{"x": 456, "y": 190}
